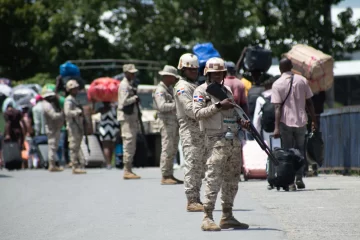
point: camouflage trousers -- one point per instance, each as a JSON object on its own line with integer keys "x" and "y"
{"x": 53, "y": 144}
{"x": 169, "y": 144}
{"x": 129, "y": 130}
{"x": 223, "y": 170}
{"x": 76, "y": 155}
{"x": 193, "y": 147}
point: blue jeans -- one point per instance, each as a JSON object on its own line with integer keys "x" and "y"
{"x": 61, "y": 149}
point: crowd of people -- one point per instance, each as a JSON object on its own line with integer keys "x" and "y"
{"x": 210, "y": 131}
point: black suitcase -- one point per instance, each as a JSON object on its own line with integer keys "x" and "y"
{"x": 96, "y": 157}
{"x": 258, "y": 59}
{"x": 11, "y": 155}
{"x": 283, "y": 175}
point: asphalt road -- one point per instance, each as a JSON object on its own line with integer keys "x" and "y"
{"x": 38, "y": 205}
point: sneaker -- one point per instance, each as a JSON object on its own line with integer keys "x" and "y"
{"x": 300, "y": 184}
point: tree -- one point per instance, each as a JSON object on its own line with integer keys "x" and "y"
{"x": 38, "y": 36}
{"x": 180, "y": 24}
{"x": 309, "y": 22}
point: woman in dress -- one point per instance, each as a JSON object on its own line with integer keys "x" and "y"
{"x": 109, "y": 129}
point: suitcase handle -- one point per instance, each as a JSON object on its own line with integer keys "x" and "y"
{"x": 271, "y": 137}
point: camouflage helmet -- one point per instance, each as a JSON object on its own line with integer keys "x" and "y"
{"x": 188, "y": 60}
{"x": 214, "y": 65}
{"x": 71, "y": 84}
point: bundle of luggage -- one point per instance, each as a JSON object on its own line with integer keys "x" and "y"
{"x": 70, "y": 71}
{"x": 257, "y": 59}
{"x": 104, "y": 90}
{"x": 205, "y": 51}
{"x": 316, "y": 66}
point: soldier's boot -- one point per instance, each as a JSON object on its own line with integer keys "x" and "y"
{"x": 168, "y": 181}
{"x": 208, "y": 223}
{"x": 177, "y": 180}
{"x": 228, "y": 221}
{"x": 54, "y": 168}
{"x": 78, "y": 171}
{"x": 128, "y": 174}
{"x": 194, "y": 206}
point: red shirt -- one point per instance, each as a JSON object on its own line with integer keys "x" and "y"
{"x": 238, "y": 89}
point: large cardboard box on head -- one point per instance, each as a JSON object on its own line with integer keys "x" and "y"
{"x": 316, "y": 66}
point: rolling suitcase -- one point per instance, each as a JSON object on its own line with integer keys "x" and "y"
{"x": 254, "y": 161}
{"x": 283, "y": 175}
{"x": 11, "y": 155}
{"x": 96, "y": 157}
{"x": 42, "y": 150}
{"x": 43, "y": 153}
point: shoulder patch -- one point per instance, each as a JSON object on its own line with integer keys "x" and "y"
{"x": 159, "y": 94}
{"x": 198, "y": 98}
{"x": 180, "y": 91}
{"x": 124, "y": 89}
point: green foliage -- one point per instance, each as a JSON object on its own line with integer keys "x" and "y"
{"x": 40, "y": 78}
{"x": 308, "y": 22}
{"x": 39, "y": 35}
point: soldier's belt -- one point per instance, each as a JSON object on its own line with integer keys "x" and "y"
{"x": 229, "y": 121}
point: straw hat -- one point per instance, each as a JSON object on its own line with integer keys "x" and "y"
{"x": 169, "y": 71}
{"x": 129, "y": 68}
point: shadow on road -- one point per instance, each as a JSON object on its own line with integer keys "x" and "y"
{"x": 318, "y": 189}
{"x": 236, "y": 210}
{"x": 5, "y": 176}
{"x": 254, "y": 229}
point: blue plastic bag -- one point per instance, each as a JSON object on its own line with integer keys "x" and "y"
{"x": 69, "y": 69}
{"x": 205, "y": 51}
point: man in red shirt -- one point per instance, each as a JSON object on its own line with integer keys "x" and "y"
{"x": 236, "y": 86}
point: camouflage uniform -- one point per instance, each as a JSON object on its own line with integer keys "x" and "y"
{"x": 54, "y": 121}
{"x": 75, "y": 128}
{"x": 192, "y": 140}
{"x": 169, "y": 128}
{"x": 224, "y": 160}
{"x": 129, "y": 125}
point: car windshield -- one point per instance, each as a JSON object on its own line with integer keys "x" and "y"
{"x": 146, "y": 100}
{"x": 81, "y": 97}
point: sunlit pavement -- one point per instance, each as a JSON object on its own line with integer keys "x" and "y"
{"x": 36, "y": 205}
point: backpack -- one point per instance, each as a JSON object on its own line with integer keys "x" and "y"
{"x": 268, "y": 115}
{"x": 253, "y": 94}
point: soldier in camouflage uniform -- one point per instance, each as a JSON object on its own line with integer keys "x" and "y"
{"x": 128, "y": 118}
{"x": 74, "y": 118}
{"x": 54, "y": 120}
{"x": 192, "y": 140}
{"x": 169, "y": 128}
{"x": 220, "y": 123}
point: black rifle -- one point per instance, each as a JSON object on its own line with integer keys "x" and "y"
{"x": 142, "y": 129}
{"x": 85, "y": 126}
{"x": 218, "y": 91}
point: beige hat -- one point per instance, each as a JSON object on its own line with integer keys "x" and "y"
{"x": 169, "y": 70}
{"x": 129, "y": 68}
{"x": 47, "y": 93}
{"x": 71, "y": 84}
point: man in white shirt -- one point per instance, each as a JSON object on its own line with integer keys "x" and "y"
{"x": 260, "y": 102}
